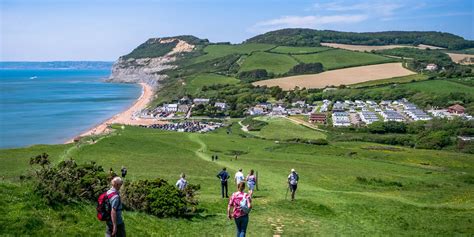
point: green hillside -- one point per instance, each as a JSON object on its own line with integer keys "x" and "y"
{"x": 394, "y": 191}
{"x": 221, "y": 50}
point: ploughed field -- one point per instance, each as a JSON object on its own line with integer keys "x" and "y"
{"x": 346, "y": 188}
{"x": 345, "y": 76}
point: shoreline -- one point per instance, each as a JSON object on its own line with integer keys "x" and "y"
{"x": 125, "y": 117}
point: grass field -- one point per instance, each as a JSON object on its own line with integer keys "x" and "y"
{"x": 195, "y": 83}
{"x": 276, "y": 63}
{"x": 439, "y": 87}
{"x": 338, "y": 58}
{"x": 404, "y": 79}
{"x": 282, "y": 129}
{"x": 217, "y": 51}
{"x": 345, "y": 188}
{"x": 298, "y": 50}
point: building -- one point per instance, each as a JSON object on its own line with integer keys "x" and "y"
{"x": 257, "y": 110}
{"x": 417, "y": 114}
{"x": 368, "y": 117}
{"x": 198, "y": 101}
{"x": 279, "y": 110}
{"x": 431, "y": 67}
{"x": 456, "y": 109}
{"x": 340, "y": 119}
{"x": 184, "y": 100}
{"x": 338, "y": 107}
{"x": 391, "y": 115}
{"x": 221, "y": 105}
{"x": 170, "y": 108}
{"x": 317, "y": 118}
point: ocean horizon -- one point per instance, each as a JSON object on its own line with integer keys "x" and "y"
{"x": 51, "y": 106}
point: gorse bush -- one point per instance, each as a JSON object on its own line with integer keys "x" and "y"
{"x": 71, "y": 182}
{"x": 159, "y": 198}
{"x": 68, "y": 182}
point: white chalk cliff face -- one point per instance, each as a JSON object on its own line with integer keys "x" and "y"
{"x": 148, "y": 70}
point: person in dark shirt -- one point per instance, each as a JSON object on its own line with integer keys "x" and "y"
{"x": 224, "y": 176}
{"x": 124, "y": 171}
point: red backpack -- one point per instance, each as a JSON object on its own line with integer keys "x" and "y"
{"x": 104, "y": 208}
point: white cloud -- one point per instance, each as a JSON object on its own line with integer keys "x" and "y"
{"x": 306, "y": 22}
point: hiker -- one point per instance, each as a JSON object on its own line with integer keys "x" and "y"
{"x": 124, "y": 171}
{"x": 235, "y": 157}
{"x": 212, "y": 157}
{"x": 224, "y": 176}
{"x": 251, "y": 181}
{"x": 239, "y": 177}
{"x": 182, "y": 183}
{"x": 293, "y": 183}
{"x": 216, "y": 157}
{"x": 115, "y": 226}
{"x": 241, "y": 203}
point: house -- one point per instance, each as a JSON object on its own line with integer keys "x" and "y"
{"x": 317, "y": 118}
{"x": 329, "y": 89}
{"x": 456, "y": 109}
{"x": 294, "y": 111}
{"x": 198, "y": 101}
{"x": 431, "y": 67}
{"x": 220, "y": 105}
{"x": 170, "y": 108}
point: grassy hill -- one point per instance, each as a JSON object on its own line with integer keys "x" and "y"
{"x": 345, "y": 188}
{"x": 276, "y": 63}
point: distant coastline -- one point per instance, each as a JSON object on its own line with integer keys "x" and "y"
{"x": 57, "y": 65}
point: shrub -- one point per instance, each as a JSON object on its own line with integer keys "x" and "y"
{"x": 68, "y": 181}
{"x": 159, "y": 198}
{"x": 306, "y": 68}
{"x": 253, "y": 75}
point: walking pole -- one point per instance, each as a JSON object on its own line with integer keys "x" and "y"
{"x": 286, "y": 195}
{"x": 256, "y": 183}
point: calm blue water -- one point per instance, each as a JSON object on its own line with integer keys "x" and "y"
{"x": 56, "y": 105}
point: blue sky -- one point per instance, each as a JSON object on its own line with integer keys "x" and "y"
{"x": 34, "y": 30}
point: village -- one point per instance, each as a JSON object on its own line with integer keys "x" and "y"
{"x": 336, "y": 113}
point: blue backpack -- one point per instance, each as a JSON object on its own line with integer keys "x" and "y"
{"x": 244, "y": 205}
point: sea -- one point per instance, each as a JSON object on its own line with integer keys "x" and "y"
{"x": 51, "y": 106}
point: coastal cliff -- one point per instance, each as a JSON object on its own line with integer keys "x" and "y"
{"x": 146, "y": 63}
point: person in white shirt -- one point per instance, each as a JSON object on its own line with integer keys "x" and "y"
{"x": 239, "y": 177}
{"x": 181, "y": 184}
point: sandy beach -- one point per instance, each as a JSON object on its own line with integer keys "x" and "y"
{"x": 126, "y": 117}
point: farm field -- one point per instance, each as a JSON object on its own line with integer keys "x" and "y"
{"x": 345, "y": 188}
{"x": 195, "y": 83}
{"x": 345, "y": 76}
{"x": 298, "y": 50}
{"x": 461, "y": 58}
{"x": 339, "y": 58}
{"x": 363, "y": 48}
{"x": 221, "y": 50}
{"x": 272, "y": 62}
